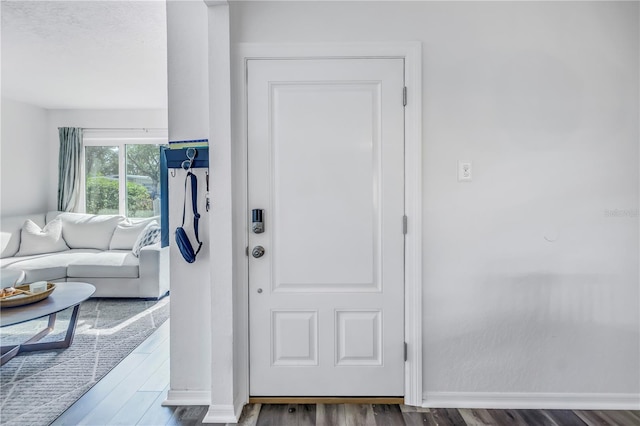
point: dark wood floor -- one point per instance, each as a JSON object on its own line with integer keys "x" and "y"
{"x": 132, "y": 393}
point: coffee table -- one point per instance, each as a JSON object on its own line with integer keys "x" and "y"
{"x": 66, "y": 295}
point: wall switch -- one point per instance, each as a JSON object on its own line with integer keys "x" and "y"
{"x": 464, "y": 171}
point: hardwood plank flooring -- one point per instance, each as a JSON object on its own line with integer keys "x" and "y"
{"x": 418, "y": 419}
{"x": 535, "y": 417}
{"x": 387, "y": 415}
{"x": 250, "y": 415}
{"x": 133, "y": 410}
{"x": 564, "y": 417}
{"x": 273, "y": 415}
{"x": 620, "y": 417}
{"x": 132, "y": 394}
{"x": 592, "y": 418}
{"x": 477, "y": 417}
{"x": 507, "y": 417}
{"x": 330, "y": 414}
{"x": 359, "y": 415}
{"x": 157, "y": 414}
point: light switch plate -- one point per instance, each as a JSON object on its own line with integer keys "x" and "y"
{"x": 464, "y": 171}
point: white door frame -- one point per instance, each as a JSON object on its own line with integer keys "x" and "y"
{"x": 411, "y": 52}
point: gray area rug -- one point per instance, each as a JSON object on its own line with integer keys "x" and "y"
{"x": 36, "y": 387}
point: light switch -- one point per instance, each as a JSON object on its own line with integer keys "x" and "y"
{"x": 464, "y": 171}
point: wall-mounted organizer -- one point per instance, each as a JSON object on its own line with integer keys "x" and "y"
{"x": 172, "y": 158}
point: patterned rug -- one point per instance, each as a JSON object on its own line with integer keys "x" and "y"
{"x": 36, "y": 387}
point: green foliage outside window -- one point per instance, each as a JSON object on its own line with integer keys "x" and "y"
{"x": 142, "y": 167}
{"x": 101, "y": 160}
{"x": 139, "y": 202}
{"x": 144, "y": 160}
{"x": 102, "y": 197}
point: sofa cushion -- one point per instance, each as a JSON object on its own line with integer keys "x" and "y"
{"x": 106, "y": 264}
{"x": 36, "y": 240}
{"x": 46, "y": 266}
{"x": 10, "y": 229}
{"x": 150, "y": 235}
{"x": 52, "y": 215}
{"x": 88, "y": 231}
{"x": 127, "y": 232}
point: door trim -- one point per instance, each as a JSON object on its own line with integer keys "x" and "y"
{"x": 411, "y": 52}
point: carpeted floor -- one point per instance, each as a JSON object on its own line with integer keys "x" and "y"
{"x": 35, "y": 388}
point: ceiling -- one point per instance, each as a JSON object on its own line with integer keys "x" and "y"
{"x": 85, "y": 54}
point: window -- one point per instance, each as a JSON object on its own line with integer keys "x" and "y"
{"x": 122, "y": 172}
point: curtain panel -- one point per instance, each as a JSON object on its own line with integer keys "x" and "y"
{"x": 69, "y": 168}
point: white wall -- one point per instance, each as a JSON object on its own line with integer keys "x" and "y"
{"x": 24, "y": 170}
{"x": 190, "y": 283}
{"x": 530, "y": 270}
{"x": 188, "y": 69}
{"x": 85, "y": 118}
{"x": 202, "y": 339}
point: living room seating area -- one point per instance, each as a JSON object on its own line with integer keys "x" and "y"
{"x": 121, "y": 257}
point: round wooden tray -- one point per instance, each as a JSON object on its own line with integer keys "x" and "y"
{"x": 25, "y": 299}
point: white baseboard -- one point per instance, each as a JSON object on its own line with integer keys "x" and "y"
{"x": 223, "y": 414}
{"x": 184, "y": 397}
{"x": 500, "y": 400}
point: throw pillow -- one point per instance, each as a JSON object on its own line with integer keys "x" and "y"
{"x": 127, "y": 233}
{"x": 35, "y": 240}
{"x": 150, "y": 235}
{"x": 90, "y": 231}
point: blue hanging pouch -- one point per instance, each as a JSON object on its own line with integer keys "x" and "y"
{"x": 182, "y": 240}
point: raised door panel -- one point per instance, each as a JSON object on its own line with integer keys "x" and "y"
{"x": 317, "y": 197}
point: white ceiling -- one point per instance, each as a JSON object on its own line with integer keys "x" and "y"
{"x": 85, "y": 54}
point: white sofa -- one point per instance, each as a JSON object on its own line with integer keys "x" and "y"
{"x": 96, "y": 249}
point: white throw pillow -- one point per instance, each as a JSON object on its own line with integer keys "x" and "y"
{"x": 127, "y": 233}
{"x": 81, "y": 230}
{"x": 10, "y": 230}
{"x": 150, "y": 235}
{"x": 35, "y": 240}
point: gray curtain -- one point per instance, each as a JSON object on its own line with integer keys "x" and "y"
{"x": 69, "y": 168}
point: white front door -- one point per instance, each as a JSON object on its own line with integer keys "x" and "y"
{"x": 326, "y": 166}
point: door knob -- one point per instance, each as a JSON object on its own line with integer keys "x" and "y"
{"x": 258, "y": 251}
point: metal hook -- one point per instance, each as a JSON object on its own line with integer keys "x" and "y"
{"x": 191, "y": 155}
{"x": 173, "y": 172}
{"x": 191, "y": 151}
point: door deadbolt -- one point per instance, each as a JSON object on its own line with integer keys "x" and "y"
{"x": 256, "y": 218}
{"x": 258, "y": 251}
